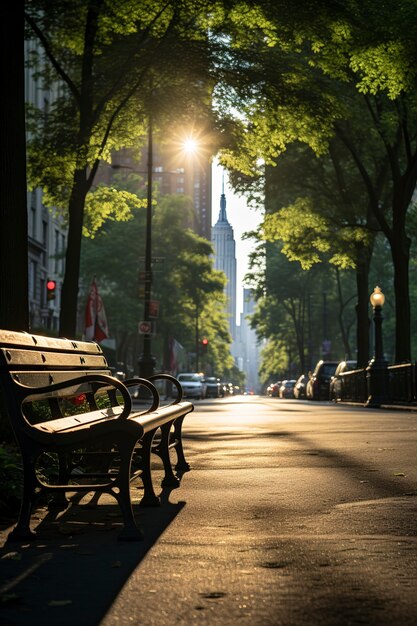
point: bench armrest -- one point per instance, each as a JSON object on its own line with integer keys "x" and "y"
{"x": 132, "y": 382}
{"x": 174, "y": 381}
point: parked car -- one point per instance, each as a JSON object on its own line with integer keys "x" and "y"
{"x": 273, "y": 389}
{"x": 336, "y": 381}
{"x": 213, "y": 387}
{"x": 300, "y": 387}
{"x": 193, "y": 385}
{"x": 319, "y": 381}
{"x": 287, "y": 389}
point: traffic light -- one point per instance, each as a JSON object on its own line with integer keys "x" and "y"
{"x": 50, "y": 289}
{"x": 204, "y": 344}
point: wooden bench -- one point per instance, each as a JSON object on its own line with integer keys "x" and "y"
{"x": 64, "y": 406}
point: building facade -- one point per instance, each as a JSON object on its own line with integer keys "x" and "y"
{"x": 46, "y": 230}
{"x": 174, "y": 172}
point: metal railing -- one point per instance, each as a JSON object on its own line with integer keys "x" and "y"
{"x": 402, "y": 384}
{"x": 354, "y": 385}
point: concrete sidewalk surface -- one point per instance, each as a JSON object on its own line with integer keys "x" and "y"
{"x": 294, "y": 513}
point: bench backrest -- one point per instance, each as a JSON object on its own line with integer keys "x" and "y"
{"x": 35, "y": 362}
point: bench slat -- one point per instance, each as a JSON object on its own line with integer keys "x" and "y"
{"x": 76, "y": 421}
{"x": 15, "y": 357}
{"x": 38, "y": 342}
{"x": 36, "y": 380}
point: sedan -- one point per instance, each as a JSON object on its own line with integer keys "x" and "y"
{"x": 336, "y": 381}
{"x": 300, "y": 387}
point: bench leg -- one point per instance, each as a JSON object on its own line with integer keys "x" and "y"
{"x": 22, "y": 531}
{"x": 130, "y": 531}
{"x": 162, "y": 450}
{"x": 149, "y": 496}
{"x": 58, "y": 501}
{"x": 181, "y": 465}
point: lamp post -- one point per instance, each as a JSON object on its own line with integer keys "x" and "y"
{"x": 377, "y": 370}
{"x": 146, "y": 361}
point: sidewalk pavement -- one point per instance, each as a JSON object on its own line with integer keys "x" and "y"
{"x": 294, "y": 513}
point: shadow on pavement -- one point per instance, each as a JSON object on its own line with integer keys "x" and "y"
{"x": 75, "y": 569}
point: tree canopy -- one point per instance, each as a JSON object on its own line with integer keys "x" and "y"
{"x": 112, "y": 65}
{"x": 303, "y": 80}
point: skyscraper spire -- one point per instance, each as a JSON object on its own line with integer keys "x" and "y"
{"x": 222, "y": 214}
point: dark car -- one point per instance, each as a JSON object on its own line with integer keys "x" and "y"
{"x": 336, "y": 381}
{"x": 319, "y": 382}
{"x": 300, "y": 387}
{"x": 287, "y": 389}
{"x": 213, "y": 387}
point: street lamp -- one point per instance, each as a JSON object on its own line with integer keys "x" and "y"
{"x": 377, "y": 370}
{"x": 146, "y": 361}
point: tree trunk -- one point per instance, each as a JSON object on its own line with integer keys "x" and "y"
{"x": 69, "y": 294}
{"x": 362, "y": 306}
{"x": 14, "y": 304}
{"x": 343, "y": 331}
{"x": 401, "y": 258}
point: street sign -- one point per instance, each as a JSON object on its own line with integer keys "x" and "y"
{"x": 145, "y": 328}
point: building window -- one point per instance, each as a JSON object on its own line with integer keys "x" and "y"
{"x": 42, "y": 284}
{"x": 32, "y": 279}
{"x": 44, "y": 241}
{"x": 32, "y": 225}
{"x": 56, "y": 252}
{"x": 62, "y": 253}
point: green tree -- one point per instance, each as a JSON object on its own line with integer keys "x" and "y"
{"x": 292, "y": 91}
{"x": 320, "y": 212}
{"x": 185, "y": 281}
{"x": 112, "y": 63}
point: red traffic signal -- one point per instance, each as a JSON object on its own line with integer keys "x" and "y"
{"x": 204, "y": 344}
{"x": 50, "y": 289}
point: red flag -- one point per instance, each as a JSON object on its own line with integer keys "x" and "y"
{"x": 174, "y": 350}
{"x": 96, "y": 328}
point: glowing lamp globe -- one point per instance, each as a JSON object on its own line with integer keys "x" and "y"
{"x": 377, "y": 298}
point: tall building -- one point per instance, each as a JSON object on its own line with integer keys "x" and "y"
{"x": 249, "y": 344}
{"x": 225, "y": 259}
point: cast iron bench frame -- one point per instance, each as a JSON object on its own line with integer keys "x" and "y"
{"x": 52, "y": 370}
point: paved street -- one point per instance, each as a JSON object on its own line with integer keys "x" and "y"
{"x": 295, "y": 513}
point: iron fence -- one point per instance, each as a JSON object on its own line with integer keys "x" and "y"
{"x": 402, "y": 384}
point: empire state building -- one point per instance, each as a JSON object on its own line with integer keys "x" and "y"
{"x": 225, "y": 259}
